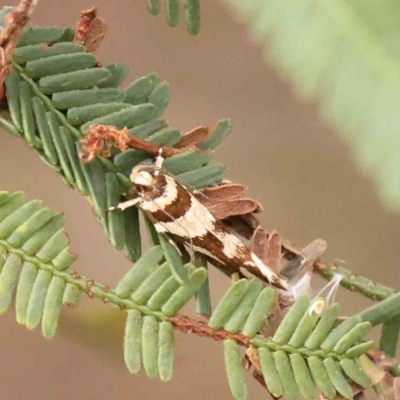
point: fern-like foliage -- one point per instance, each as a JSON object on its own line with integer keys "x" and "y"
{"x": 345, "y": 55}
{"x": 34, "y": 258}
{"x": 35, "y": 263}
{"x": 172, "y": 9}
{"x": 306, "y": 354}
{"x": 56, "y": 91}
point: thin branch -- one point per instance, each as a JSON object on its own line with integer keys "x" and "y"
{"x": 15, "y": 21}
{"x": 99, "y": 140}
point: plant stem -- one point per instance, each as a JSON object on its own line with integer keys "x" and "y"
{"x": 382, "y": 311}
{"x": 353, "y": 282}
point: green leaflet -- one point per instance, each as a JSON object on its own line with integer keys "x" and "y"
{"x": 160, "y": 97}
{"x": 228, "y": 304}
{"x": 234, "y": 369}
{"x": 337, "y": 378}
{"x": 118, "y": 73}
{"x": 390, "y": 336}
{"x": 166, "y": 351}
{"x": 192, "y": 14}
{"x": 44, "y": 130}
{"x": 204, "y": 176}
{"x": 185, "y": 292}
{"x": 304, "y": 328}
{"x": 25, "y": 285}
{"x": 79, "y": 115}
{"x": 28, "y": 125}
{"x": 203, "y": 299}
{"x": 38, "y": 51}
{"x": 37, "y": 299}
{"x": 222, "y": 130}
{"x": 354, "y": 372}
{"x": 352, "y": 337}
{"x": 153, "y": 6}
{"x": 174, "y": 260}
{"x": 25, "y": 230}
{"x": 321, "y": 377}
{"x": 269, "y": 371}
{"x": 186, "y": 161}
{"x": 115, "y": 218}
{"x": 52, "y": 307}
{"x": 242, "y": 311}
{"x": 59, "y": 64}
{"x": 163, "y": 293}
{"x": 303, "y": 378}
{"x": 139, "y": 91}
{"x": 126, "y": 118}
{"x": 139, "y": 271}
{"x": 150, "y": 347}
{"x": 172, "y": 10}
{"x": 38, "y": 35}
{"x": 291, "y": 320}
{"x": 83, "y": 79}
{"x": 13, "y": 100}
{"x": 285, "y": 372}
{"x": 259, "y": 312}
{"x": 323, "y": 328}
{"x": 9, "y": 224}
{"x": 8, "y": 280}
{"x": 143, "y": 293}
{"x": 87, "y": 97}
{"x": 71, "y": 295}
{"x": 39, "y": 239}
{"x": 133, "y": 341}
{"x": 336, "y": 334}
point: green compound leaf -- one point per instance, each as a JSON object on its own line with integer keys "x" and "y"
{"x": 34, "y": 251}
{"x": 305, "y": 355}
{"x": 55, "y": 93}
{"x": 172, "y": 8}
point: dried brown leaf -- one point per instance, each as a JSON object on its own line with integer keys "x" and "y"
{"x": 193, "y": 137}
{"x": 260, "y": 244}
{"x": 233, "y": 207}
{"x": 95, "y": 34}
{"x": 274, "y": 251}
{"x": 14, "y": 23}
{"x": 218, "y": 194}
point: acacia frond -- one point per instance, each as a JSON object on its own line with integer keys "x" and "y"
{"x": 342, "y": 54}
{"x": 56, "y": 92}
{"x": 172, "y": 9}
{"x": 306, "y": 354}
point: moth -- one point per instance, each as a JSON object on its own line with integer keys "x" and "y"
{"x": 179, "y": 215}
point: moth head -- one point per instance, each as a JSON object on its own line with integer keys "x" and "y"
{"x": 145, "y": 178}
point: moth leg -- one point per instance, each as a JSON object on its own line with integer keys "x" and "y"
{"x": 126, "y": 204}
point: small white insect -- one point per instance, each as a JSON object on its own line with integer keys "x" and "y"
{"x": 177, "y": 214}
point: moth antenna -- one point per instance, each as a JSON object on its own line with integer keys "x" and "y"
{"x": 159, "y": 161}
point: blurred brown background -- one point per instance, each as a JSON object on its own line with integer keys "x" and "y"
{"x": 290, "y": 160}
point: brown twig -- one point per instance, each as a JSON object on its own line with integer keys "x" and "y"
{"x": 15, "y": 21}
{"x": 190, "y": 325}
{"x": 100, "y": 138}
